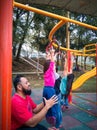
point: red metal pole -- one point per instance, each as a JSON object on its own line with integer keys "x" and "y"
{"x": 69, "y": 67}
{"x": 96, "y": 72}
{"x": 6, "y": 9}
{"x": 69, "y": 60}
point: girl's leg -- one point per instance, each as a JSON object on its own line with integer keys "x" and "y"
{"x": 59, "y": 113}
{"x": 65, "y": 105}
{"x": 51, "y": 114}
{"x": 66, "y": 101}
{"x": 62, "y": 99}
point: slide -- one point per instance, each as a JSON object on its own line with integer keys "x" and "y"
{"x": 77, "y": 84}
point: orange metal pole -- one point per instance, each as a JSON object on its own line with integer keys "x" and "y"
{"x": 6, "y": 8}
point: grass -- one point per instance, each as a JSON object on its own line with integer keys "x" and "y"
{"x": 36, "y": 81}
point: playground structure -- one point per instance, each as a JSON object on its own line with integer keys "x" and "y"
{"x": 83, "y": 78}
{"x": 6, "y": 55}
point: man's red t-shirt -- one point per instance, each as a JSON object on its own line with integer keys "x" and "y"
{"x": 21, "y": 110}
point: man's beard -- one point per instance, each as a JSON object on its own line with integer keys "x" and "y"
{"x": 26, "y": 92}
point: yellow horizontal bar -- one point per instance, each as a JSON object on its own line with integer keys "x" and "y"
{"x": 39, "y": 11}
{"x": 93, "y": 44}
{"x": 90, "y": 50}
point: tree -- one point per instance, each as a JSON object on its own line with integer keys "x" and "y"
{"x": 22, "y": 22}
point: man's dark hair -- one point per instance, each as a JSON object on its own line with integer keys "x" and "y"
{"x": 16, "y": 81}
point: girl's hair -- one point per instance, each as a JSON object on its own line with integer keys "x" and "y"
{"x": 46, "y": 65}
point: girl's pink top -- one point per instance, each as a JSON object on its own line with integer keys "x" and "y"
{"x": 49, "y": 77}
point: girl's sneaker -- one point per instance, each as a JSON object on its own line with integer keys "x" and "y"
{"x": 64, "y": 108}
{"x": 51, "y": 120}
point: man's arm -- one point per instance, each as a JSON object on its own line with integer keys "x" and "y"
{"x": 39, "y": 116}
{"x": 38, "y": 108}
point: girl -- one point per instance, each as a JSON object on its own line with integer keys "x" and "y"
{"x": 53, "y": 116}
{"x": 63, "y": 85}
{"x": 66, "y": 83}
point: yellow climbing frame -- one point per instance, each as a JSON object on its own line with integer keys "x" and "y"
{"x": 62, "y": 21}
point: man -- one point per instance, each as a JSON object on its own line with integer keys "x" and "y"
{"x": 25, "y": 114}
